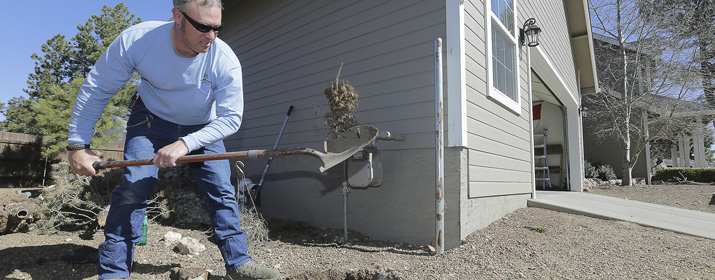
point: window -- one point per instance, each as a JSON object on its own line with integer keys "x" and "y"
{"x": 502, "y": 53}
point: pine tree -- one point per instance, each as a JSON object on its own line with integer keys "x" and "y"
{"x": 58, "y": 75}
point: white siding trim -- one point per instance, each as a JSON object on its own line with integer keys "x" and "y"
{"x": 551, "y": 76}
{"x": 546, "y": 69}
{"x": 456, "y": 75}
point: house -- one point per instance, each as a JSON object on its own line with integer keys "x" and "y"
{"x": 610, "y": 153}
{"x": 290, "y": 50}
{"x": 693, "y": 117}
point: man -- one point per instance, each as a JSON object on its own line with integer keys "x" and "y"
{"x": 190, "y": 98}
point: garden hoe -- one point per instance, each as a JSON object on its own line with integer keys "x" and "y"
{"x": 339, "y": 149}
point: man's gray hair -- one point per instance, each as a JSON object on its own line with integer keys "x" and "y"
{"x": 180, "y": 4}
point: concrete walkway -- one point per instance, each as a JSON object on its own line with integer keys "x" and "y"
{"x": 679, "y": 220}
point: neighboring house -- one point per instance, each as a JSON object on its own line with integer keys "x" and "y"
{"x": 610, "y": 152}
{"x": 597, "y": 151}
{"x": 290, "y": 50}
{"x": 701, "y": 117}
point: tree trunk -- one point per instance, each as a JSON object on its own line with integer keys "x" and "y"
{"x": 627, "y": 99}
{"x": 626, "y": 169}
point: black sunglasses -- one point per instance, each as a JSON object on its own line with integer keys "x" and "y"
{"x": 203, "y": 28}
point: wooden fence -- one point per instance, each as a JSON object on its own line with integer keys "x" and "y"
{"x": 22, "y": 164}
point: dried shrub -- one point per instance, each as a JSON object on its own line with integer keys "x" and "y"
{"x": 75, "y": 202}
{"x": 252, "y": 222}
{"x": 254, "y": 225}
{"x": 343, "y": 100}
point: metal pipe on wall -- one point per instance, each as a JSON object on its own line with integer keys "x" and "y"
{"x": 439, "y": 151}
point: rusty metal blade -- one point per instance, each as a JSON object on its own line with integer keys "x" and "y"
{"x": 346, "y": 144}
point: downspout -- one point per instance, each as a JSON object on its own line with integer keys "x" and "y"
{"x": 531, "y": 125}
{"x": 439, "y": 151}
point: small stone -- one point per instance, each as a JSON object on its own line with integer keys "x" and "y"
{"x": 521, "y": 275}
{"x": 190, "y": 246}
{"x": 712, "y": 200}
{"x": 171, "y": 237}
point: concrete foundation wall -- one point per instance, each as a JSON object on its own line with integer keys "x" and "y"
{"x": 473, "y": 213}
{"x": 401, "y": 210}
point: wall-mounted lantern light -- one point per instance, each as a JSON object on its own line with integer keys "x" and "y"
{"x": 530, "y": 33}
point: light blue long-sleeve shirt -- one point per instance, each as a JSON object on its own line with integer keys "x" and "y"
{"x": 206, "y": 89}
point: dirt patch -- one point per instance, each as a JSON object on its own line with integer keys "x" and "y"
{"x": 343, "y": 275}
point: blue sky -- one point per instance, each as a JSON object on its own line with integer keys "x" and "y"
{"x": 26, "y": 25}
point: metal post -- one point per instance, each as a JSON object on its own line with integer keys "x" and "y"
{"x": 346, "y": 191}
{"x": 439, "y": 151}
{"x": 44, "y": 173}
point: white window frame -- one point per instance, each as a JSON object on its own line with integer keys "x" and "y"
{"x": 492, "y": 21}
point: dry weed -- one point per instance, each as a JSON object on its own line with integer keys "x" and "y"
{"x": 343, "y": 100}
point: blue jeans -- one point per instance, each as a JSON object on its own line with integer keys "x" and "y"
{"x": 146, "y": 134}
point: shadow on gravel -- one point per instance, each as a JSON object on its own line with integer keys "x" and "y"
{"x": 301, "y": 234}
{"x": 60, "y": 261}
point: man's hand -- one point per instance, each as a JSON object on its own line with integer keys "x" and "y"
{"x": 167, "y": 156}
{"x": 81, "y": 162}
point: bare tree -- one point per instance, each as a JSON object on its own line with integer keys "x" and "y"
{"x": 645, "y": 74}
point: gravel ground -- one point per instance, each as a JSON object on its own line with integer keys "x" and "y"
{"x": 529, "y": 243}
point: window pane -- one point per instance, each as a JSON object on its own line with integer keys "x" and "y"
{"x": 495, "y": 7}
{"x": 504, "y": 10}
{"x": 503, "y": 64}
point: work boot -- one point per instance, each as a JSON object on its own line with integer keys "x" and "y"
{"x": 251, "y": 270}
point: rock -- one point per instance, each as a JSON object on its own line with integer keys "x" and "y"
{"x": 189, "y": 273}
{"x": 190, "y": 246}
{"x": 712, "y": 200}
{"x": 171, "y": 238}
{"x": 16, "y": 214}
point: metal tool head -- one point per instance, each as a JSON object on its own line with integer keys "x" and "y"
{"x": 346, "y": 144}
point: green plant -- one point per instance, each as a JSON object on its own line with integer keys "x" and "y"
{"x": 589, "y": 170}
{"x": 601, "y": 171}
{"x": 705, "y": 175}
{"x": 605, "y": 172}
{"x": 539, "y": 229}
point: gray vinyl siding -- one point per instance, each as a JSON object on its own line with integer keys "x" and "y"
{"x": 499, "y": 140}
{"x": 290, "y": 51}
{"x": 555, "y": 39}
{"x": 610, "y": 153}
